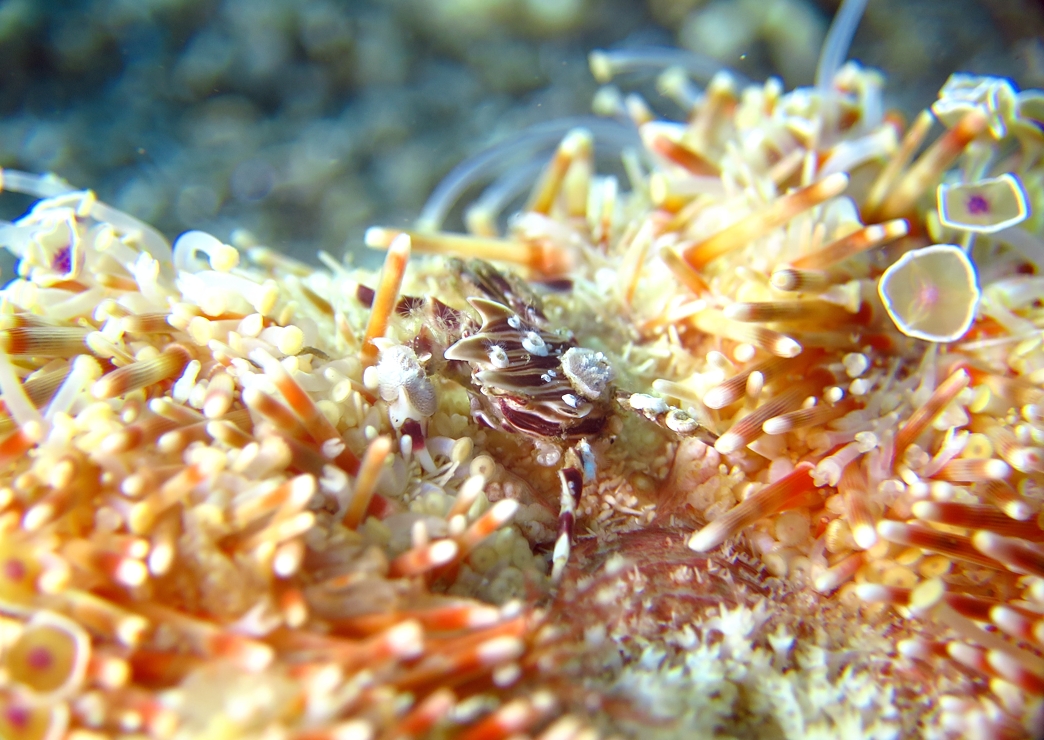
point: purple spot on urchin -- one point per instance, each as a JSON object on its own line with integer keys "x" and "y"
{"x": 14, "y": 569}
{"x": 18, "y": 717}
{"x": 928, "y": 296}
{"x": 40, "y": 658}
{"x": 978, "y": 205}
{"x": 62, "y": 261}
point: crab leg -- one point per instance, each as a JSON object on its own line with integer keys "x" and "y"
{"x": 572, "y": 486}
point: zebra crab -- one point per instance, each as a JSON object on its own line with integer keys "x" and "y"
{"x": 525, "y": 378}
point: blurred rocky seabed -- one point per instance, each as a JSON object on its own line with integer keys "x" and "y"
{"x": 305, "y": 122}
